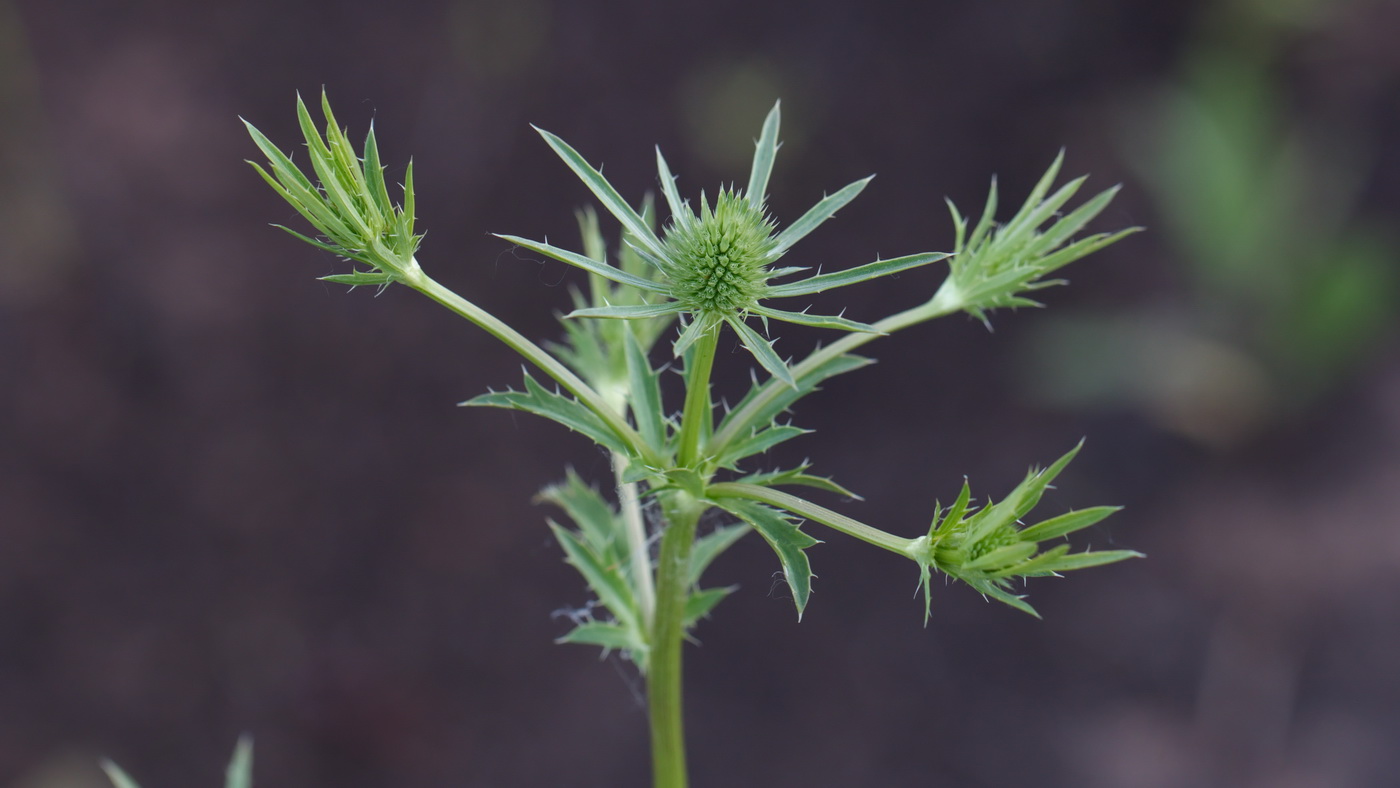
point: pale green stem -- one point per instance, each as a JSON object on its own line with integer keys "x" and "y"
{"x": 821, "y": 514}
{"x": 664, "y": 689}
{"x": 415, "y": 278}
{"x": 944, "y": 302}
{"x": 638, "y": 550}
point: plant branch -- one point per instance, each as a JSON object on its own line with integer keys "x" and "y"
{"x": 805, "y": 508}
{"x": 536, "y": 355}
{"x": 743, "y": 422}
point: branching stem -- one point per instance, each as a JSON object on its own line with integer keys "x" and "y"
{"x": 944, "y": 302}
{"x": 533, "y": 353}
{"x": 811, "y": 511}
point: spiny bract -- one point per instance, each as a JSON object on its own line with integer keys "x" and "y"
{"x": 714, "y": 267}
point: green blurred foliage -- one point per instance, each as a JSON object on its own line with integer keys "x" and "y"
{"x": 1288, "y": 288}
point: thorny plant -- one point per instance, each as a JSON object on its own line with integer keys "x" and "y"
{"x": 687, "y": 280}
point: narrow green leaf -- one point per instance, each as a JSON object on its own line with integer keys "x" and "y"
{"x": 374, "y": 177}
{"x": 764, "y": 153}
{"x": 323, "y": 163}
{"x": 645, "y": 386}
{"x": 1021, "y": 500}
{"x": 709, "y": 547}
{"x": 613, "y": 637}
{"x": 816, "y": 321}
{"x": 409, "y": 204}
{"x": 1002, "y": 556}
{"x": 338, "y": 251}
{"x": 819, "y": 213}
{"x": 1082, "y": 248}
{"x": 604, "y": 191}
{"x": 360, "y": 279}
{"x": 240, "y": 769}
{"x": 1028, "y": 494}
{"x": 594, "y": 247}
{"x": 312, "y": 207}
{"x": 987, "y": 220}
{"x": 926, "y": 586}
{"x": 586, "y": 507}
{"x": 762, "y": 350}
{"x": 281, "y": 163}
{"x": 959, "y": 226}
{"x": 1042, "y": 187}
{"x": 757, "y": 443}
{"x": 955, "y": 512}
{"x": 785, "y": 539}
{"x": 861, "y": 273}
{"x": 797, "y": 477}
{"x": 118, "y": 777}
{"x": 556, "y": 407}
{"x": 1033, "y": 567}
{"x": 680, "y": 214}
{"x": 629, "y": 312}
{"x": 696, "y": 328}
{"x": 1010, "y": 599}
{"x": 700, "y": 603}
{"x": 605, "y": 581}
{"x": 1033, "y": 216}
{"x": 1085, "y": 560}
{"x": 592, "y": 266}
{"x": 1066, "y": 523}
{"x": 1065, "y": 228}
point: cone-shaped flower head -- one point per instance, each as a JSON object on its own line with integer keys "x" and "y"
{"x": 721, "y": 259}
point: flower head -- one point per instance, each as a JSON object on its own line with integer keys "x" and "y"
{"x": 717, "y": 265}
{"x": 348, "y": 204}
{"x": 989, "y": 547}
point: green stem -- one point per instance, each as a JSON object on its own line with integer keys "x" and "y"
{"x": 639, "y": 554}
{"x": 944, "y": 302}
{"x": 533, "y": 353}
{"x": 821, "y": 514}
{"x": 695, "y": 419}
{"x": 664, "y": 690}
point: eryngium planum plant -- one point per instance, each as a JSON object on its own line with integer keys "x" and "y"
{"x": 664, "y": 297}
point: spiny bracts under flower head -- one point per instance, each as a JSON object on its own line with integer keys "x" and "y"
{"x": 988, "y": 548}
{"x": 720, "y": 258}
{"x": 714, "y": 268}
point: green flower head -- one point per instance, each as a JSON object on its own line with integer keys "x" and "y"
{"x": 717, "y": 265}
{"x": 988, "y": 548}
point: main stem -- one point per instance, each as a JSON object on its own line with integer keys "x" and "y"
{"x": 664, "y": 690}
{"x": 682, "y": 512}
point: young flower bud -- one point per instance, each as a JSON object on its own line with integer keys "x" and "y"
{"x": 721, "y": 258}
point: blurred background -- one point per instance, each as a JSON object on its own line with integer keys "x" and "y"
{"x": 233, "y": 498}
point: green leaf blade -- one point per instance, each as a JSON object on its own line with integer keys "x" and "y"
{"x": 588, "y": 264}
{"x": 787, "y": 542}
{"x": 604, "y": 191}
{"x": 555, "y": 407}
{"x": 860, "y": 273}
{"x": 1067, "y": 523}
{"x": 763, "y": 156}
{"x": 762, "y": 350}
{"x": 819, "y": 213}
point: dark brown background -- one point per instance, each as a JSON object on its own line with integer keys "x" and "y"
{"x": 233, "y": 498}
